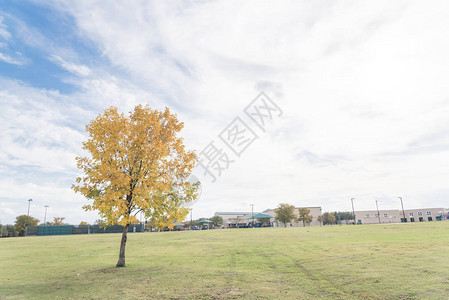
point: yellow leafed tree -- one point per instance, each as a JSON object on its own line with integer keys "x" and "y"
{"x": 304, "y": 216}
{"x": 136, "y": 163}
{"x": 58, "y": 221}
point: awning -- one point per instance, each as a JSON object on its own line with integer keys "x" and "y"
{"x": 261, "y": 216}
{"x": 205, "y": 221}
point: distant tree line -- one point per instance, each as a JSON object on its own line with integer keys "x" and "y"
{"x": 331, "y": 218}
{"x": 7, "y": 231}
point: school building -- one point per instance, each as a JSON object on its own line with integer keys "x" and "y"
{"x": 397, "y": 216}
{"x": 240, "y": 219}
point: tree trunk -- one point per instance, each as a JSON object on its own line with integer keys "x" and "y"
{"x": 121, "y": 257}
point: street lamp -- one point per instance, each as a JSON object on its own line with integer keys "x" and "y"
{"x": 45, "y": 217}
{"x": 321, "y": 215}
{"x": 403, "y": 212}
{"x": 353, "y": 212}
{"x": 142, "y": 226}
{"x": 378, "y": 214}
{"x": 252, "y": 213}
{"x": 28, "y": 214}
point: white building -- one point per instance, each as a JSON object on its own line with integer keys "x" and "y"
{"x": 240, "y": 219}
{"x": 397, "y": 216}
{"x": 235, "y": 219}
{"x": 314, "y": 211}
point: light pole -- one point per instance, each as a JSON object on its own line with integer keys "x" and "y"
{"x": 252, "y": 213}
{"x": 378, "y": 214}
{"x": 403, "y": 212}
{"x": 142, "y": 227}
{"x": 353, "y": 212}
{"x": 28, "y": 214}
{"x": 321, "y": 215}
{"x": 45, "y": 217}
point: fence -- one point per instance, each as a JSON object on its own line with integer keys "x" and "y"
{"x": 80, "y": 229}
{"x": 53, "y": 230}
{"x": 31, "y": 230}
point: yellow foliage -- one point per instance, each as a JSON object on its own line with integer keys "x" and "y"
{"x": 58, "y": 221}
{"x": 136, "y": 164}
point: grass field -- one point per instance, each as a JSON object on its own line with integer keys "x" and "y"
{"x": 401, "y": 261}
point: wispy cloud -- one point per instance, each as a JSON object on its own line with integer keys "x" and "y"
{"x": 35, "y": 130}
{"x": 77, "y": 69}
{"x": 4, "y": 33}
{"x": 13, "y": 58}
{"x": 10, "y": 60}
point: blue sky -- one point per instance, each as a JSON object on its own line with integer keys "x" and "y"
{"x": 362, "y": 87}
{"x": 33, "y": 34}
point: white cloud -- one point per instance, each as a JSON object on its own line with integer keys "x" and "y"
{"x": 8, "y": 59}
{"x": 62, "y": 201}
{"x": 80, "y": 70}
{"x": 4, "y": 33}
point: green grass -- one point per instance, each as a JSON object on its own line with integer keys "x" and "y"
{"x": 401, "y": 261}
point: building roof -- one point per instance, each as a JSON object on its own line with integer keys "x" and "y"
{"x": 261, "y": 216}
{"x": 205, "y": 221}
{"x": 268, "y": 209}
{"x": 232, "y": 213}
